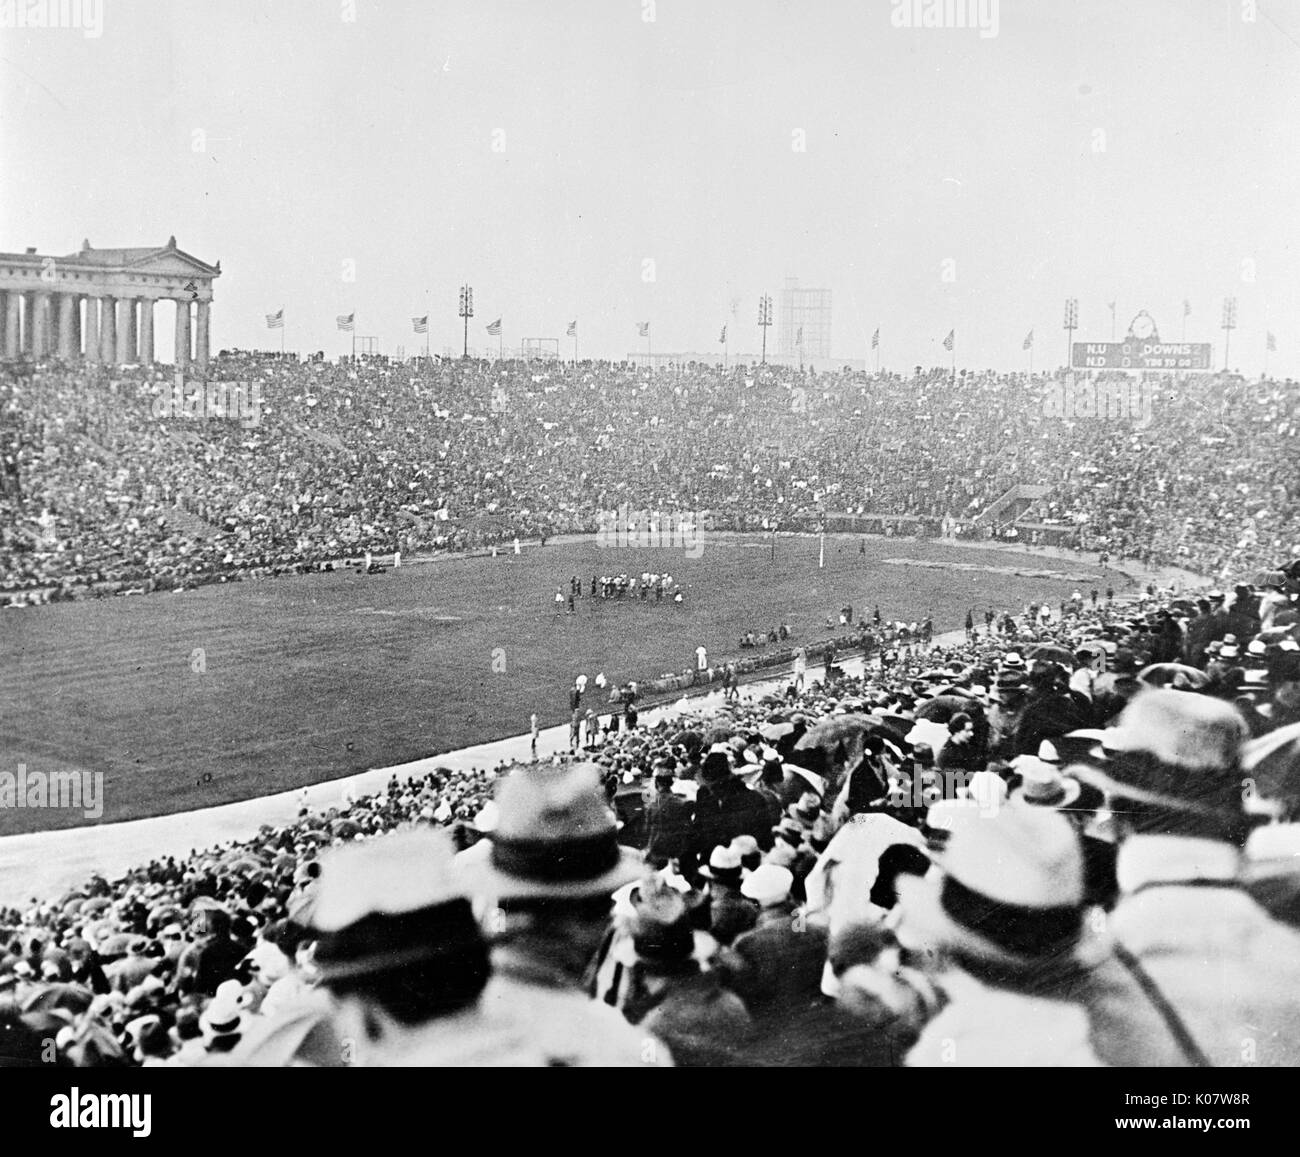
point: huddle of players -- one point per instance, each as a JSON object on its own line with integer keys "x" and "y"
{"x": 628, "y": 586}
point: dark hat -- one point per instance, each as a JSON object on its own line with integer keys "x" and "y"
{"x": 1125, "y": 661}
{"x": 661, "y": 925}
{"x": 716, "y": 766}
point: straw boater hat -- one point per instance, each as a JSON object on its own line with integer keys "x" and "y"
{"x": 1010, "y": 891}
{"x": 555, "y": 837}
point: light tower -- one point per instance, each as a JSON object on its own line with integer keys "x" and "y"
{"x": 466, "y": 311}
{"x": 1228, "y": 325}
{"x": 1071, "y": 324}
{"x": 765, "y": 320}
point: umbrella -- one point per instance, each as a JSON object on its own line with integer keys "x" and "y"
{"x": 775, "y": 730}
{"x": 345, "y": 828}
{"x": 892, "y": 726}
{"x": 837, "y": 729}
{"x": 943, "y": 707}
{"x": 1176, "y": 675}
{"x": 815, "y": 781}
{"x": 1273, "y": 761}
{"x": 1052, "y": 653}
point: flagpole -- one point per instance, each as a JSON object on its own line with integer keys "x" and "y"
{"x": 281, "y": 333}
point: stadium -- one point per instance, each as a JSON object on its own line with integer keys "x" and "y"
{"x": 529, "y": 706}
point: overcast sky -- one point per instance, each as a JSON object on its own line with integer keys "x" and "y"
{"x": 1143, "y": 151}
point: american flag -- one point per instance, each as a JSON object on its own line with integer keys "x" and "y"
{"x": 345, "y": 321}
{"x": 723, "y": 339}
{"x": 275, "y": 320}
{"x": 875, "y": 339}
{"x": 643, "y": 328}
{"x": 421, "y": 324}
{"x": 952, "y": 336}
{"x": 572, "y": 331}
{"x": 1028, "y": 343}
{"x": 1271, "y": 344}
{"x": 495, "y": 328}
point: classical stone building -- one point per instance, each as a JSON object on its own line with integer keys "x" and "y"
{"x": 98, "y": 304}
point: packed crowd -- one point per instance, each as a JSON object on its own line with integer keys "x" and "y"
{"x": 1073, "y": 842}
{"x": 100, "y": 488}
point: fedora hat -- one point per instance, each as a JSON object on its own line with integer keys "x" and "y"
{"x": 768, "y": 885}
{"x": 390, "y": 902}
{"x": 661, "y": 925}
{"x": 1174, "y": 750}
{"x": 723, "y": 866}
{"x": 1010, "y": 891}
{"x": 555, "y": 837}
{"x": 1042, "y": 785}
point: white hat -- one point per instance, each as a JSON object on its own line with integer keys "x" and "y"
{"x": 768, "y": 885}
{"x": 1025, "y": 866}
{"x": 986, "y": 788}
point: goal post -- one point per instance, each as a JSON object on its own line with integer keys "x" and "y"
{"x": 545, "y": 349}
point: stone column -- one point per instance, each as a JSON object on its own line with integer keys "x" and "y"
{"x": 41, "y": 330}
{"x": 29, "y": 320}
{"x": 76, "y": 326}
{"x": 94, "y": 353}
{"x": 13, "y": 323}
{"x": 202, "y": 336}
{"x": 67, "y": 303}
{"x": 108, "y": 329}
{"x": 125, "y": 330}
{"x": 182, "y": 356}
{"x": 146, "y": 330}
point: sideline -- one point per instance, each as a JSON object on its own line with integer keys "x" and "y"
{"x": 45, "y": 864}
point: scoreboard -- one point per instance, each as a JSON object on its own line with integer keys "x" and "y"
{"x": 1137, "y": 354}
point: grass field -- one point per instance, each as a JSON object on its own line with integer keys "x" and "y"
{"x": 312, "y": 678}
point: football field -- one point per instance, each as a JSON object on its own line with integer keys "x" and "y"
{"x": 234, "y": 691}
